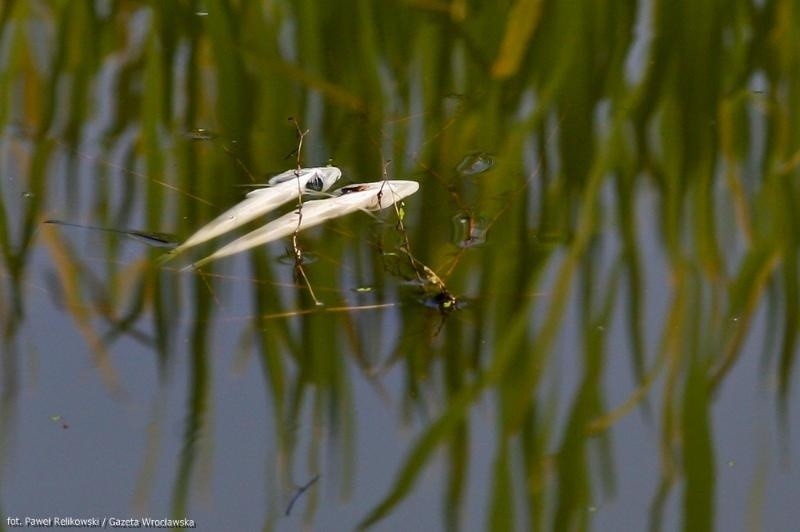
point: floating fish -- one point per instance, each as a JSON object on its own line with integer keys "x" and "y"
{"x": 361, "y": 196}
{"x": 280, "y": 189}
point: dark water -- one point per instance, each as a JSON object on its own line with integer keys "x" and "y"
{"x": 595, "y": 328}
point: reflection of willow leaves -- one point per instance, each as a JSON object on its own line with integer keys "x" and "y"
{"x": 505, "y": 353}
{"x": 671, "y": 129}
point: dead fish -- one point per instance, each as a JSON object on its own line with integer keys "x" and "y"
{"x": 361, "y": 196}
{"x": 280, "y": 189}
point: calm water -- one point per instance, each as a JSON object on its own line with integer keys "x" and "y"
{"x": 609, "y": 192}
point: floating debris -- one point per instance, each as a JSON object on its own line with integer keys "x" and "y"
{"x": 201, "y": 133}
{"x": 363, "y": 289}
{"x": 151, "y": 238}
{"x": 299, "y": 492}
{"x": 289, "y": 258}
{"x": 154, "y": 239}
{"x": 475, "y": 163}
{"x": 469, "y": 231}
{"x": 58, "y": 419}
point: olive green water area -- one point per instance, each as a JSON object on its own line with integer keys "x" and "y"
{"x": 585, "y": 319}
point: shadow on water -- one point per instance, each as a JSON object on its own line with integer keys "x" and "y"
{"x": 605, "y": 233}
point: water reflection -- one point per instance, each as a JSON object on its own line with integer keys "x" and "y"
{"x": 633, "y": 311}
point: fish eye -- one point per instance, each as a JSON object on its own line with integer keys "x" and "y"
{"x": 315, "y": 183}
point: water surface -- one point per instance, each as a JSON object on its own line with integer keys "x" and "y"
{"x": 586, "y": 319}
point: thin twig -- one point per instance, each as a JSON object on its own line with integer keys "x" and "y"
{"x": 210, "y": 289}
{"x": 299, "y": 271}
{"x": 238, "y": 161}
{"x": 405, "y": 244}
{"x": 299, "y": 492}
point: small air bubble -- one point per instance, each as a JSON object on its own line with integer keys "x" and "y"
{"x": 469, "y": 231}
{"x": 475, "y": 163}
{"x": 28, "y": 195}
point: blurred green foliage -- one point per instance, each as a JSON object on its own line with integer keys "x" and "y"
{"x": 588, "y": 109}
